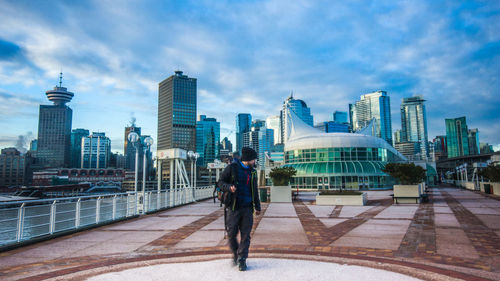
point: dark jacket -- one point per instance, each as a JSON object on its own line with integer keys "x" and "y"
{"x": 227, "y": 179}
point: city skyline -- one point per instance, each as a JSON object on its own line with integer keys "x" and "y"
{"x": 451, "y": 58}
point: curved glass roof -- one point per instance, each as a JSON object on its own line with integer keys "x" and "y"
{"x": 365, "y": 168}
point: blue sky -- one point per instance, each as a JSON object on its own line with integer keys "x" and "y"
{"x": 248, "y": 56}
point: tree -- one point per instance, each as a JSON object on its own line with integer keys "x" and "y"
{"x": 491, "y": 172}
{"x": 281, "y": 175}
{"x": 407, "y": 174}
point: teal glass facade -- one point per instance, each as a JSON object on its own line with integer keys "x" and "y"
{"x": 340, "y": 167}
{"x": 457, "y": 141}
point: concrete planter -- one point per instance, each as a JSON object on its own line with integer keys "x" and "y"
{"x": 281, "y": 194}
{"x": 495, "y": 188}
{"x": 470, "y": 186}
{"x": 354, "y": 200}
{"x": 412, "y": 192}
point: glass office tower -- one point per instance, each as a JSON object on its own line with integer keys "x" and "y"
{"x": 177, "y": 112}
{"x": 375, "y": 107}
{"x": 414, "y": 124}
{"x": 457, "y": 142}
{"x": 207, "y": 139}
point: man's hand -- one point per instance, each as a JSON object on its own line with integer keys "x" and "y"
{"x": 257, "y": 213}
{"x": 233, "y": 188}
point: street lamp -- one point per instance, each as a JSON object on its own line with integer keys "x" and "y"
{"x": 148, "y": 142}
{"x": 133, "y": 137}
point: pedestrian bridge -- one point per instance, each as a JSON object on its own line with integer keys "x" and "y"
{"x": 455, "y": 235}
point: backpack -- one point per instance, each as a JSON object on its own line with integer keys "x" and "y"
{"x": 226, "y": 197}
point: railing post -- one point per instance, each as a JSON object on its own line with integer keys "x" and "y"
{"x": 20, "y": 223}
{"x": 158, "y": 200}
{"x": 52, "y": 225}
{"x": 114, "y": 208}
{"x": 77, "y": 213}
{"x": 98, "y": 210}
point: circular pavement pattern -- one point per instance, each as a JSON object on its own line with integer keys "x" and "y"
{"x": 258, "y": 269}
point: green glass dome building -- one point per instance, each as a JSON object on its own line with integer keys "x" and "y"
{"x": 336, "y": 160}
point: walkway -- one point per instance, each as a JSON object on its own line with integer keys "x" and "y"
{"x": 455, "y": 236}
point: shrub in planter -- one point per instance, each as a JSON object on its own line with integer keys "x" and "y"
{"x": 491, "y": 173}
{"x": 340, "y": 192}
{"x": 281, "y": 175}
{"x": 407, "y": 174}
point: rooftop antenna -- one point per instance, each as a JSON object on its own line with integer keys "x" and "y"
{"x": 60, "y": 79}
{"x": 291, "y": 94}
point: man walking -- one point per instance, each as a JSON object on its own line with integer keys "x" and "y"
{"x": 239, "y": 180}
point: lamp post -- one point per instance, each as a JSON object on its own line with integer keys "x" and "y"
{"x": 148, "y": 141}
{"x": 196, "y": 156}
{"x": 133, "y": 137}
{"x": 190, "y": 156}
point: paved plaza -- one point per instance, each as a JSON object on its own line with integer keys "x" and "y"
{"x": 456, "y": 236}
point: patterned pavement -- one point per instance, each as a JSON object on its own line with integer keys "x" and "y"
{"x": 454, "y": 236}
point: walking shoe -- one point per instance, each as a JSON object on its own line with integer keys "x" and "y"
{"x": 242, "y": 265}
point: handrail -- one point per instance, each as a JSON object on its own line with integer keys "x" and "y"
{"x": 22, "y": 220}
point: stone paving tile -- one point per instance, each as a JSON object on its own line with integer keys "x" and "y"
{"x": 217, "y": 224}
{"x": 398, "y": 212}
{"x": 321, "y": 211}
{"x": 454, "y": 242}
{"x": 420, "y": 236}
{"x": 383, "y": 234}
{"x": 183, "y": 232}
{"x": 484, "y": 239}
{"x": 202, "y": 239}
{"x": 352, "y": 211}
{"x": 276, "y": 231}
{"x": 484, "y": 211}
{"x": 107, "y": 248}
{"x": 447, "y": 220}
{"x": 491, "y": 221}
{"x": 442, "y": 209}
{"x": 331, "y": 221}
{"x": 336, "y": 212}
{"x": 280, "y": 210}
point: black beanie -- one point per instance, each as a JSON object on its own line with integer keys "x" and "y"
{"x": 248, "y": 154}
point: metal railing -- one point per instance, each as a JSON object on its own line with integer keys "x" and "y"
{"x": 22, "y": 221}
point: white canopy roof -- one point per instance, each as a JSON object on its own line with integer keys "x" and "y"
{"x": 303, "y": 136}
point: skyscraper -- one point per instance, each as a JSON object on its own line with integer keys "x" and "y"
{"x": 457, "y": 141}
{"x": 273, "y": 122}
{"x": 177, "y": 112}
{"x": 129, "y": 148}
{"x": 261, "y": 139}
{"x": 440, "y": 149}
{"x": 299, "y": 107}
{"x": 226, "y": 144}
{"x": 207, "y": 140}
{"x": 340, "y": 117}
{"x": 225, "y": 148}
{"x": 96, "y": 151}
{"x": 76, "y": 146}
{"x": 12, "y": 167}
{"x": 414, "y": 123}
{"x": 243, "y": 123}
{"x": 473, "y": 139}
{"x": 332, "y": 127}
{"x": 54, "y": 129}
{"x": 374, "y": 107}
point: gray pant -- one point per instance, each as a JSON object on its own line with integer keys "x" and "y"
{"x": 242, "y": 220}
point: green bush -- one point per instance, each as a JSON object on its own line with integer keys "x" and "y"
{"x": 491, "y": 173}
{"x": 407, "y": 174}
{"x": 340, "y": 192}
{"x": 281, "y": 175}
